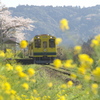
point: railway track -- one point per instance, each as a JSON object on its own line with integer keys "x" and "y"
{"x": 60, "y": 70}
{"x": 59, "y": 73}
{"x": 24, "y": 61}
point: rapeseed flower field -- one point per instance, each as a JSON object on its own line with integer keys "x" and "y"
{"x": 29, "y": 82}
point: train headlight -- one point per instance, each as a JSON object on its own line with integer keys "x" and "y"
{"x": 37, "y": 37}
{"x": 50, "y": 37}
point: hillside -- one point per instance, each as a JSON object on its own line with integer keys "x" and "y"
{"x": 83, "y": 22}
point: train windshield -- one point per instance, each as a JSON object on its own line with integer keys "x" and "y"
{"x": 37, "y": 43}
{"x": 51, "y": 43}
{"x": 44, "y": 44}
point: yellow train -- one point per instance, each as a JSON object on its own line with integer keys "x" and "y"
{"x": 42, "y": 48}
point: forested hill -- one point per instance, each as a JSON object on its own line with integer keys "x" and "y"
{"x": 83, "y": 22}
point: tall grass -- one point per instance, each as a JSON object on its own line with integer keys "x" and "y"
{"x": 40, "y": 86}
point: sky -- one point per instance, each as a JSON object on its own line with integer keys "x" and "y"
{"x": 81, "y": 3}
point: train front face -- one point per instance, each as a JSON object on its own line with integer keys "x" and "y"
{"x": 44, "y": 48}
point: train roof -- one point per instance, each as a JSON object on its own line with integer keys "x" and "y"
{"x": 43, "y": 35}
{"x": 40, "y": 35}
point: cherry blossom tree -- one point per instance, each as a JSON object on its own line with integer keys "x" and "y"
{"x": 13, "y": 26}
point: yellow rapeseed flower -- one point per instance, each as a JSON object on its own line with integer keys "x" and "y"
{"x": 82, "y": 70}
{"x": 77, "y": 49}
{"x": 58, "y": 41}
{"x": 69, "y": 61}
{"x": 50, "y": 84}
{"x": 13, "y": 92}
{"x": 25, "y": 86}
{"x": 44, "y": 98}
{"x": 73, "y": 76}
{"x": 7, "y": 86}
{"x": 69, "y": 64}
{"x": 2, "y": 54}
{"x": 90, "y": 61}
{"x": 84, "y": 58}
{"x": 61, "y": 98}
{"x": 22, "y": 74}
{"x": 63, "y": 86}
{"x": 69, "y": 83}
{"x": 18, "y": 68}
{"x": 35, "y": 91}
{"x": 95, "y": 91}
{"x": 33, "y": 80}
{"x": 23, "y": 44}
{"x": 18, "y": 97}
{"x": 9, "y": 53}
{"x": 79, "y": 86}
{"x": 94, "y": 43}
{"x": 9, "y": 67}
{"x": 23, "y": 95}
{"x": 1, "y": 97}
{"x": 96, "y": 72}
{"x": 64, "y": 24}
{"x": 87, "y": 77}
{"x": 94, "y": 88}
{"x": 8, "y": 50}
{"x": 85, "y": 65}
{"x": 97, "y": 37}
{"x": 12, "y": 97}
{"x": 57, "y": 63}
{"x": 31, "y": 72}
{"x": 27, "y": 78}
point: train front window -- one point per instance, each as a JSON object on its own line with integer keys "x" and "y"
{"x": 44, "y": 44}
{"x": 37, "y": 43}
{"x": 51, "y": 43}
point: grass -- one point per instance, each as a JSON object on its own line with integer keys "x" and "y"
{"x": 38, "y": 86}
{"x": 18, "y": 82}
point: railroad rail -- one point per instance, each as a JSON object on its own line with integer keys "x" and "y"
{"x": 61, "y": 73}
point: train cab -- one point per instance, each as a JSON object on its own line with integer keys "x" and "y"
{"x": 43, "y": 49}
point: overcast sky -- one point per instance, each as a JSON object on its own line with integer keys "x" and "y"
{"x": 82, "y": 3}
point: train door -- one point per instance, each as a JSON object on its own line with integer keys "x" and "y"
{"x": 45, "y": 46}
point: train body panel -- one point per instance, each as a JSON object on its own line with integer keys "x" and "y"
{"x": 42, "y": 48}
